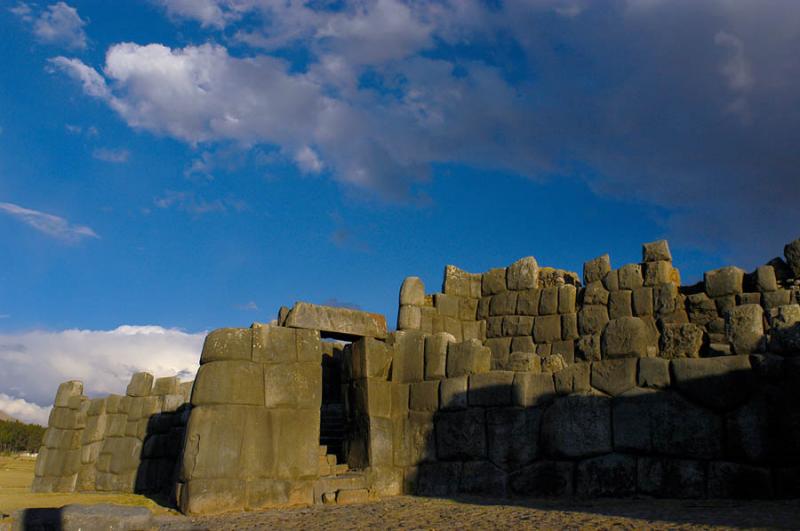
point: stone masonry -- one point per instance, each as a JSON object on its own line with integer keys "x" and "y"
{"x": 520, "y": 381}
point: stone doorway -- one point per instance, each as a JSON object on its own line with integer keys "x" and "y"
{"x": 333, "y": 412}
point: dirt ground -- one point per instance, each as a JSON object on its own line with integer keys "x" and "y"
{"x": 406, "y": 512}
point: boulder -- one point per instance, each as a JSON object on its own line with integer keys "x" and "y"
{"x": 577, "y": 425}
{"x": 718, "y": 383}
{"x": 724, "y": 281}
{"x": 523, "y": 274}
{"x": 596, "y": 269}
{"x": 625, "y": 338}
{"x": 744, "y": 327}
{"x": 614, "y": 376}
{"x": 606, "y": 475}
{"x": 681, "y": 340}
{"x": 412, "y": 292}
{"x": 656, "y": 251}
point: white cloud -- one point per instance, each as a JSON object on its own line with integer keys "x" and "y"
{"x": 60, "y": 24}
{"x": 36, "y": 362}
{"x": 23, "y": 11}
{"x": 23, "y": 410}
{"x": 50, "y": 224}
{"x": 116, "y": 156}
{"x": 308, "y": 161}
{"x": 93, "y": 83}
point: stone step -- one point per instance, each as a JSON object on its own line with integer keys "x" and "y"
{"x": 323, "y": 449}
{"x": 348, "y": 496}
{"x": 348, "y": 481}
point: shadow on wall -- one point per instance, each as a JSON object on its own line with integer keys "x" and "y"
{"x": 732, "y": 435}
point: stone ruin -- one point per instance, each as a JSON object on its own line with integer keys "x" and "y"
{"x": 519, "y": 381}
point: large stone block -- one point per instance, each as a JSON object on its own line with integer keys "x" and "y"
{"x": 459, "y": 282}
{"x": 500, "y": 348}
{"x": 567, "y": 297}
{"x": 785, "y": 328}
{"x": 453, "y": 393}
{"x": 592, "y": 319}
{"x": 718, "y": 383}
{"x": 66, "y": 419}
{"x": 337, "y": 322}
{"x": 606, "y": 475}
{"x": 744, "y": 328}
{"x": 468, "y": 357}
{"x": 532, "y": 389}
{"x": 512, "y": 436}
{"x": 371, "y": 358}
{"x": 227, "y": 344}
{"x": 210, "y": 496}
{"x": 528, "y": 302}
{"x": 656, "y": 251}
{"x": 493, "y": 281}
{"x": 682, "y": 340}
{"x": 724, "y": 281}
{"x": 627, "y": 337}
{"x": 630, "y": 276}
{"x": 572, "y": 379}
{"x": 95, "y": 429}
{"x": 447, "y": 305}
{"x": 577, "y": 425}
{"x": 614, "y": 377}
{"x": 414, "y": 441}
{"x": 167, "y": 385}
{"x": 66, "y": 391}
{"x": 662, "y": 272}
{"x": 524, "y": 362}
{"x": 543, "y": 479}
{"x": 587, "y": 348}
{"x": 619, "y": 304}
{"x": 750, "y": 430}
{"x": 701, "y": 308}
{"x": 293, "y": 385}
{"x": 671, "y": 478}
{"x": 491, "y": 388}
{"x": 653, "y": 372}
{"x": 663, "y": 422}
{"x": 517, "y": 325}
{"x": 409, "y": 356}
{"x": 412, "y": 292}
{"x": 733, "y": 480}
{"x": 596, "y": 269}
{"x": 547, "y": 328}
{"x": 766, "y": 281}
{"x": 230, "y": 382}
{"x": 436, "y": 355}
{"x": 437, "y": 479}
{"x": 140, "y": 385}
{"x": 594, "y": 293}
{"x": 523, "y": 274}
{"x": 504, "y": 303}
{"x": 461, "y": 435}
{"x": 424, "y": 396}
{"x": 642, "y": 301}
{"x": 548, "y": 301}
{"x": 792, "y": 253}
{"x": 409, "y": 318}
{"x": 569, "y": 327}
{"x": 482, "y": 477}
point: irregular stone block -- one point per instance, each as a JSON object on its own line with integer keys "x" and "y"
{"x": 532, "y": 389}
{"x": 500, "y": 348}
{"x": 412, "y": 291}
{"x": 792, "y": 253}
{"x": 424, "y": 396}
{"x": 717, "y": 383}
{"x": 522, "y": 344}
{"x": 749, "y": 431}
{"x": 482, "y": 477}
{"x": 567, "y": 296}
{"x": 436, "y": 355}
{"x": 468, "y": 357}
{"x": 611, "y": 280}
{"x": 438, "y": 479}
{"x": 656, "y": 273}
{"x": 785, "y": 324}
{"x": 744, "y": 328}
{"x": 543, "y": 478}
{"x": 294, "y": 385}
{"x": 572, "y": 379}
{"x": 773, "y": 299}
{"x": 594, "y": 293}
{"x": 547, "y": 328}
{"x": 524, "y": 362}
{"x": 569, "y": 327}
{"x": 517, "y": 325}
{"x": 732, "y": 480}
{"x": 663, "y": 422}
{"x": 447, "y": 305}
{"x": 453, "y": 393}
{"x": 461, "y": 435}
{"x": 97, "y": 406}
{"x": 166, "y": 386}
{"x": 587, "y": 348}
{"x": 231, "y": 382}
{"x": 748, "y": 298}
{"x": 523, "y": 274}
{"x": 512, "y": 436}
{"x": 210, "y": 496}
{"x": 336, "y": 322}
{"x": 614, "y": 377}
{"x": 528, "y": 302}
{"x": 400, "y": 394}
{"x": 459, "y": 282}
{"x": 625, "y": 338}
{"x": 66, "y": 391}
{"x": 619, "y": 304}
{"x": 701, "y": 308}
{"x": 642, "y": 301}
{"x": 474, "y": 330}
{"x": 592, "y": 319}
{"x": 409, "y": 318}
{"x": 607, "y": 475}
{"x": 577, "y": 425}
{"x": 103, "y": 516}
{"x": 409, "y": 356}
{"x": 655, "y": 251}
{"x": 671, "y": 478}
{"x": 681, "y": 340}
{"x": 553, "y": 362}
{"x": 66, "y": 418}
{"x": 490, "y": 389}
{"x": 724, "y": 281}
{"x": 630, "y": 276}
{"x": 765, "y": 279}
{"x": 226, "y": 344}
{"x": 653, "y": 372}
{"x": 494, "y": 327}
{"x": 596, "y": 269}
{"x": 140, "y": 385}
{"x": 467, "y": 309}
{"x": 371, "y": 358}
{"x": 548, "y": 301}
{"x": 665, "y": 299}
{"x": 493, "y": 281}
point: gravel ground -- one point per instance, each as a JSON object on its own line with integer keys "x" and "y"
{"x": 405, "y": 512}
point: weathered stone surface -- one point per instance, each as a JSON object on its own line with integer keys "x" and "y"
{"x": 424, "y": 396}
{"x": 227, "y": 344}
{"x": 548, "y": 301}
{"x": 553, "y": 362}
{"x": 66, "y": 391}
{"x": 792, "y": 253}
{"x": 592, "y": 319}
{"x": 453, "y": 393}
{"x": 733, "y": 480}
{"x": 749, "y": 431}
{"x": 447, "y": 305}
{"x": 482, "y": 477}
{"x": 785, "y": 328}
{"x": 517, "y": 325}
{"x": 409, "y": 356}
{"x": 468, "y": 357}
{"x": 663, "y": 422}
{"x": 619, "y": 304}
{"x": 459, "y": 282}
{"x": 569, "y": 327}
{"x": 642, "y": 301}
{"x": 493, "y": 281}
{"x": 718, "y": 383}
{"x": 681, "y": 340}
{"x": 167, "y": 385}
{"x": 543, "y": 478}
{"x": 547, "y": 328}
{"x": 500, "y": 348}
{"x": 594, "y": 293}
{"x": 745, "y": 329}
{"x": 567, "y": 296}
{"x": 724, "y": 281}
{"x": 772, "y": 299}
{"x": 231, "y": 382}
{"x": 701, "y": 308}
{"x": 436, "y": 355}
{"x": 438, "y": 479}
{"x": 140, "y": 385}
{"x": 523, "y": 344}
{"x": 414, "y": 439}
{"x": 461, "y": 434}
{"x": 653, "y": 372}
{"x": 409, "y": 318}
{"x": 523, "y": 274}
{"x": 587, "y": 348}
{"x": 532, "y": 389}
{"x": 662, "y": 272}
{"x": 572, "y": 379}
{"x": 524, "y": 362}
{"x": 491, "y": 389}
{"x": 210, "y": 496}
{"x": 630, "y": 276}
{"x": 656, "y": 251}
{"x": 412, "y": 291}
{"x": 512, "y": 436}
{"x": 100, "y": 516}
{"x": 671, "y": 478}
{"x": 294, "y": 385}
{"x": 473, "y": 330}
{"x": 614, "y": 377}
{"x": 626, "y": 337}
{"x": 494, "y": 327}
{"x": 611, "y": 280}
{"x": 565, "y": 349}
{"x": 577, "y": 425}
{"x": 765, "y": 279}
{"x": 528, "y": 302}
{"x": 606, "y": 475}
{"x": 341, "y": 323}
{"x": 596, "y": 269}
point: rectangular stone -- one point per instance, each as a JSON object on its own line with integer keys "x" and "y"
{"x": 436, "y": 355}
{"x": 373, "y": 397}
{"x": 335, "y": 322}
{"x": 474, "y": 330}
{"x": 642, "y": 301}
{"x": 371, "y": 358}
{"x": 517, "y": 325}
{"x": 467, "y": 309}
{"x": 229, "y": 382}
{"x": 548, "y": 301}
{"x": 619, "y": 304}
{"x": 569, "y": 326}
{"x": 409, "y": 356}
{"x": 140, "y": 385}
{"x": 630, "y": 276}
{"x": 293, "y": 385}
{"x": 531, "y": 389}
{"x": 528, "y": 302}
{"x": 424, "y": 396}
{"x": 491, "y": 389}
{"x": 66, "y": 391}
{"x": 567, "y": 295}
{"x": 504, "y": 303}
{"x": 468, "y": 357}
{"x": 547, "y": 328}
{"x": 447, "y": 305}
{"x": 226, "y": 344}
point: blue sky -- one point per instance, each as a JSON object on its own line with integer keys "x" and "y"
{"x": 186, "y": 165}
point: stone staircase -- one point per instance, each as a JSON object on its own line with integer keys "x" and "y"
{"x": 338, "y": 484}
{"x": 332, "y": 428}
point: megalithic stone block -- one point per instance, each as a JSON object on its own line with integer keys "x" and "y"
{"x": 412, "y": 292}
{"x": 339, "y": 323}
{"x": 141, "y": 384}
{"x": 523, "y": 274}
{"x": 66, "y": 391}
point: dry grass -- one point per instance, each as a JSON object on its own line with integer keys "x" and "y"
{"x": 16, "y": 476}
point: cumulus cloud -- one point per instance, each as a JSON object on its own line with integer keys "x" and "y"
{"x": 58, "y": 24}
{"x": 684, "y": 105}
{"x": 49, "y": 224}
{"x": 36, "y": 362}
{"x": 23, "y": 410}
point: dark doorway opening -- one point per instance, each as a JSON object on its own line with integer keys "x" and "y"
{"x": 333, "y": 413}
